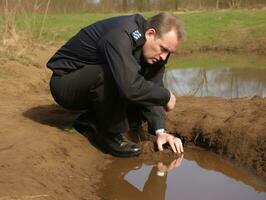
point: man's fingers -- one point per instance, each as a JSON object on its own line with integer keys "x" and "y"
{"x": 178, "y": 145}
{"x": 160, "y": 145}
{"x": 181, "y": 145}
{"x": 172, "y": 144}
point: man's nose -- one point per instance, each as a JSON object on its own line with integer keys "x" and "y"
{"x": 163, "y": 56}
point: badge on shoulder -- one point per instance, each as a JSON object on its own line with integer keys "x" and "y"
{"x": 136, "y": 35}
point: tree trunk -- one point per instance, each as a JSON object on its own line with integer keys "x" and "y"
{"x": 234, "y": 3}
{"x": 200, "y": 5}
{"x": 140, "y": 4}
{"x": 217, "y": 4}
{"x": 124, "y": 6}
{"x": 176, "y": 5}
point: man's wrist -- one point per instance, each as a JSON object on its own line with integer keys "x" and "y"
{"x": 160, "y": 131}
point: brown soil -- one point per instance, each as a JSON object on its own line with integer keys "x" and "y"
{"x": 41, "y": 159}
{"x": 235, "y": 128}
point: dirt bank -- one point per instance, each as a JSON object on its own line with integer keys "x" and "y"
{"x": 235, "y": 128}
{"x": 39, "y": 159}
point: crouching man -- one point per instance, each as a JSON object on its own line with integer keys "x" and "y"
{"x": 113, "y": 70}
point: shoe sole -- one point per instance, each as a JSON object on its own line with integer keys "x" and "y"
{"x": 116, "y": 154}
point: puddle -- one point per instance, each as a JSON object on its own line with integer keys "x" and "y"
{"x": 199, "y": 175}
{"x": 228, "y": 83}
{"x": 216, "y": 74}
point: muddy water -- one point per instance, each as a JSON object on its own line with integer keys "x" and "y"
{"x": 226, "y": 75}
{"x": 200, "y": 175}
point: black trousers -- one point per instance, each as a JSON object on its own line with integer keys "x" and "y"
{"x": 93, "y": 88}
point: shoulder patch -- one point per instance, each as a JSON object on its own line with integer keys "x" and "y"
{"x": 136, "y": 35}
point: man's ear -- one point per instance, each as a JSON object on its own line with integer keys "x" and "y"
{"x": 151, "y": 32}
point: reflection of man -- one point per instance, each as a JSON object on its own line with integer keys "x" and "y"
{"x": 153, "y": 188}
{"x": 163, "y": 168}
{"x": 113, "y": 69}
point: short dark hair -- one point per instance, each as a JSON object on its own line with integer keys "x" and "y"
{"x": 165, "y": 22}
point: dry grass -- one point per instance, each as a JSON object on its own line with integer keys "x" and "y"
{"x": 15, "y": 42}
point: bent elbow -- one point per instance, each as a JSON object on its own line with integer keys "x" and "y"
{"x": 128, "y": 94}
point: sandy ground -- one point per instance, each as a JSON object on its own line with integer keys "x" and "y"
{"x": 41, "y": 159}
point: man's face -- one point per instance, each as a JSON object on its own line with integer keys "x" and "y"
{"x": 156, "y": 49}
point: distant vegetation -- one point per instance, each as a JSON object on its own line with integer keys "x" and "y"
{"x": 22, "y": 25}
{"x": 71, "y": 6}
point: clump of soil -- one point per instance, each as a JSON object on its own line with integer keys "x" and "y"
{"x": 235, "y": 128}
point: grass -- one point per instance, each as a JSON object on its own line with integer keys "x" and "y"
{"x": 214, "y": 60}
{"x": 236, "y": 30}
{"x": 225, "y": 29}
{"x": 228, "y": 29}
{"x": 60, "y": 27}
{"x": 233, "y": 30}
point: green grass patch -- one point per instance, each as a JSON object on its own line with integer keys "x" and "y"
{"x": 240, "y": 30}
{"x": 228, "y": 29}
{"x": 58, "y": 27}
{"x": 215, "y": 60}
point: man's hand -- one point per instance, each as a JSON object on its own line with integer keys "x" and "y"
{"x": 174, "y": 142}
{"x": 174, "y": 164}
{"x": 171, "y": 103}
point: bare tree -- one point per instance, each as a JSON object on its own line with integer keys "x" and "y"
{"x": 148, "y": 5}
{"x": 234, "y": 3}
{"x": 176, "y": 3}
{"x": 124, "y": 5}
{"x": 217, "y": 4}
{"x": 200, "y": 4}
{"x": 140, "y": 5}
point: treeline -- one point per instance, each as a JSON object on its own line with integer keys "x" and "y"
{"x": 174, "y": 5}
{"x": 69, "y": 6}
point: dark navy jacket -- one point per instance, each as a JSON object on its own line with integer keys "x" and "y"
{"x": 116, "y": 43}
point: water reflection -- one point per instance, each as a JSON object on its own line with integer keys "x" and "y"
{"x": 200, "y": 175}
{"x": 143, "y": 178}
{"x": 228, "y": 82}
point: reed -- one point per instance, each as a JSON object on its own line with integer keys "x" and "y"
{"x": 20, "y": 28}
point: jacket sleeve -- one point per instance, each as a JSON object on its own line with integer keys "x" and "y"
{"x": 155, "y": 115}
{"x": 116, "y": 49}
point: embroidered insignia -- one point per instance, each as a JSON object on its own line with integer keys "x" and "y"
{"x": 136, "y": 34}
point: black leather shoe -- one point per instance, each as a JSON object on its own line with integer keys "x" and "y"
{"x": 117, "y": 146}
{"x": 114, "y": 144}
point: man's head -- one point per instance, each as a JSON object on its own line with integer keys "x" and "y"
{"x": 163, "y": 34}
